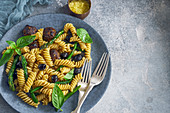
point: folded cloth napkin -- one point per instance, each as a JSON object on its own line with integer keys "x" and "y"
{"x": 13, "y": 11}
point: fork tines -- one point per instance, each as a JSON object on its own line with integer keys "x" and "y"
{"x": 86, "y": 71}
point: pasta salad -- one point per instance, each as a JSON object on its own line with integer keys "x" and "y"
{"x": 45, "y": 66}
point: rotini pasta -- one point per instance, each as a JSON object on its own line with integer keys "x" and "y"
{"x": 88, "y": 51}
{"x": 9, "y": 64}
{"x": 25, "y": 50}
{"x": 75, "y": 81}
{"x": 29, "y": 81}
{"x": 76, "y": 39}
{"x": 64, "y": 70}
{"x": 27, "y": 99}
{"x": 40, "y": 97}
{"x": 47, "y": 56}
{"x": 63, "y": 62}
{"x": 69, "y": 26}
{"x": 29, "y": 57}
{"x": 21, "y": 78}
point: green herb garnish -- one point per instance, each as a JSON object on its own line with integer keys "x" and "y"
{"x": 69, "y": 75}
{"x": 21, "y": 42}
{"x": 57, "y": 97}
{"x": 84, "y": 36}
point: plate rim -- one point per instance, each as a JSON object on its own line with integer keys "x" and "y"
{"x": 66, "y": 15}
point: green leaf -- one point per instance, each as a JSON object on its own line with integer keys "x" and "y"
{"x": 12, "y": 44}
{"x": 69, "y": 75}
{"x": 57, "y": 97}
{"x": 18, "y": 51}
{"x": 84, "y": 36}
{"x": 6, "y": 56}
{"x": 24, "y": 41}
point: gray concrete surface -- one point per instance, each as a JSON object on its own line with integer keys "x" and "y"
{"x": 137, "y": 34}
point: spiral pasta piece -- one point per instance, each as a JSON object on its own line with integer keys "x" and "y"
{"x": 31, "y": 64}
{"x": 63, "y": 62}
{"x": 49, "y": 71}
{"x": 45, "y": 101}
{"x": 29, "y": 82}
{"x": 62, "y": 37}
{"x": 79, "y": 63}
{"x": 29, "y": 69}
{"x": 75, "y": 81}
{"x": 45, "y": 77}
{"x": 40, "y": 75}
{"x": 40, "y": 97}
{"x": 36, "y": 69}
{"x": 9, "y": 64}
{"x": 41, "y": 83}
{"x": 27, "y": 99}
{"x": 76, "y": 53}
{"x": 76, "y": 39}
{"x": 35, "y": 51}
{"x": 88, "y": 51}
{"x": 46, "y": 54}
{"x": 21, "y": 78}
{"x": 25, "y": 49}
{"x": 54, "y": 46}
{"x": 29, "y": 57}
{"x": 69, "y": 26}
{"x": 46, "y": 91}
{"x": 65, "y": 70}
{"x": 61, "y": 44}
{"x": 64, "y": 86}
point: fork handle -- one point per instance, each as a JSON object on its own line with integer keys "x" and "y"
{"x": 77, "y": 110}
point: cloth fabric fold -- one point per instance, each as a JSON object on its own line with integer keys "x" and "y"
{"x": 13, "y": 11}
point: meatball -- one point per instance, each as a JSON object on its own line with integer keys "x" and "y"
{"x": 54, "y": 54}
{"x": 34, "y": 44}
{"x": 49, "y": 33}
{"x": 29, "y": 30}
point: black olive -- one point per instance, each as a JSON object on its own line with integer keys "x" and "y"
{"x": 77, "y": 71}
{"x": 77, "y": 57}
{"x": 64, "y": 55}
{"x": 15, "y": 75}
{"x": 42, "y": 66}
{"x": 19, "y": 64}
{"x": 54, "y": 78}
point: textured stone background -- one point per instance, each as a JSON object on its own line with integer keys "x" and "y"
{"x": 137, "y": 34}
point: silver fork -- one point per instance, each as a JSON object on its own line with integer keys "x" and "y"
{"x": 97, "y": 78}
{"x": 86, "y": 74}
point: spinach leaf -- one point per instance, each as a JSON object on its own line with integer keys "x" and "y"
{"x": 6, "y": 56}
{"x": 12, "y": 44}
{"x": 84, "y": 36}
{"x": 69, "y": 75}
{"x": 24, "y": 41}
{"x": 57, "y": 97}
{"x": 18, "y": 51}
